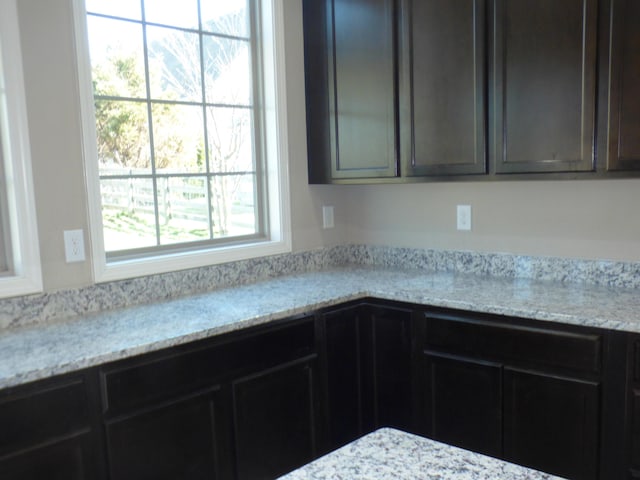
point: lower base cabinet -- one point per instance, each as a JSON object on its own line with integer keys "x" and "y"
{"x": 275, "y": 420}
{"x": 254, "y": 404}
{"x": 552, "y": 423}
{"x": 368, "y": 370}
{"x": 462, "y": 404}
{"x": 524, "y": 392}
{"x": 177, "y": 439}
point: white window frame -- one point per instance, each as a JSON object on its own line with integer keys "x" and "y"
{"x": 276, "y": 164}
{"x": 25, "y": 276}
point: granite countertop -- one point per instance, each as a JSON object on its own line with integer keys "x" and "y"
{"x": 39, "y": 351}
{"x": 389, "y": 454}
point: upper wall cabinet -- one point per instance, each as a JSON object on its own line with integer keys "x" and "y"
{"x": 442, "y": 87}
{"x": 350, "y": 67}
{"x": 624, "y": 106}
{"x": 419, "y": 90}
{"x": 544, "y": 85}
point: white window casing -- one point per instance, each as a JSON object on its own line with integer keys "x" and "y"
{"x": 24, "y": 275}
{"x": 274, "y": 146}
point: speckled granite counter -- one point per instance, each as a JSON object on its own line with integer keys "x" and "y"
{"x": 38, "y": 351}
{"x": 389, "y": 454}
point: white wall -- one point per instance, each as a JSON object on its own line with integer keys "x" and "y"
{"x": 54, "y": 123}
{"x": 597, "y": 219}
{"x": 589, "y": 219}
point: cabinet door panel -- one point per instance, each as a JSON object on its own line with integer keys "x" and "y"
{"x": 624, "y": 121}
{"x": 635, "y": 428}
{"x": 392, "y": 367}
{"x": 363, "y": 105}
{"x": 544, "y": 85}
{"x": 464, "y": 402}
{"x": 275, "y": 420}
{"x": 551, "y": 423}
{"x": 61, "y": 461}
{"x": 443, "y": 87}
{"x": 178, "y": 440}
{"x": 344, "y": 395}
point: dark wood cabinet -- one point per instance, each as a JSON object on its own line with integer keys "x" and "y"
{"x": 552, "y": 423}
{"x": 240, "y": 406}
{"x": 524, "y": 392}
{"x": 624, "y": 95}
{"x": 633, "y": 408}
{"x": 262, "y": 401}
{"x": 543, "y": 89}
{"x": 368, "y": 373}
{"x": 463, "y": 402}
{"x": 181, "y": 438}
{"x": 442, "y": 87}
{"x": 47, "y": 431}
{"x": 408, "y": 90}
{"x": 351, "y": 85}
{"x": 275, "y": 420}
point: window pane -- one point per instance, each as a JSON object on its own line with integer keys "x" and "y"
{"x": 182, "y": 13}
{"x": 116, "y": 8}
{"x": 229, "y": 17}
{"x": 230, "y": 139}
{"x": 128, "y": 214}
{"x": 227, "y": 71}
{"x": 182, "y": 209}
{"x": 233, "y": 205}
{"x": 117, "y": 57}
{"x": 174, "y": 64}
{"x": 122, "y": 130}
{"x": 178, "y": 136}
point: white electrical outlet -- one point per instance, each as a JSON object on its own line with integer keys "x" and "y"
{"x": 74, "y": 246}
{"x": 464, "y": 217}
{"x": 327, "y": 216}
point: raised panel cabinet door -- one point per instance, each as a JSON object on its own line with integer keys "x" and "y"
{"x": 442, "y": 87}
{"x": 552, "y": 423}
{"x": 624, "y": 107}
{"x": 362, "y": 84}
{"x": 274, "y": 415}
{"x": 179, "y": 439}
{"x": 543, "y": 85}
{"x": 343, "y": 372}
{"x": 463, "y": 402}
{"x": 66, "y": 460}
{"x": 392, "y": 367}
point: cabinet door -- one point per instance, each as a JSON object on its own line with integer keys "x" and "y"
{"x": 624, "y": 108}
{"x": 442, "y": 123}
{"x": 182, "y": 438}
{"x": 392, "y": 369}
{"x": 551, "y": 423}
{"x": 343, "y": 372}
{"x": 65, "y": 460}
{"x": 463, "y": 402}
{"x": 46, "y": 431}
{"x": 275, "y": 420}
{"x": 544, "y": 77}
{"x": 362, "y": 86}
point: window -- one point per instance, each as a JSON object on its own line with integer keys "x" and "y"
{"x": 185, "y": 153}
{"x": 19, "y": 254}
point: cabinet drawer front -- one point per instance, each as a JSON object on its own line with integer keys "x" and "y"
{"x": 515, "y": 343}
{"x": 130, "y": 387}
{"x": 32, "y": 416}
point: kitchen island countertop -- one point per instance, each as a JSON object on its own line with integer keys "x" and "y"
{"x": 389, "y": 454}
